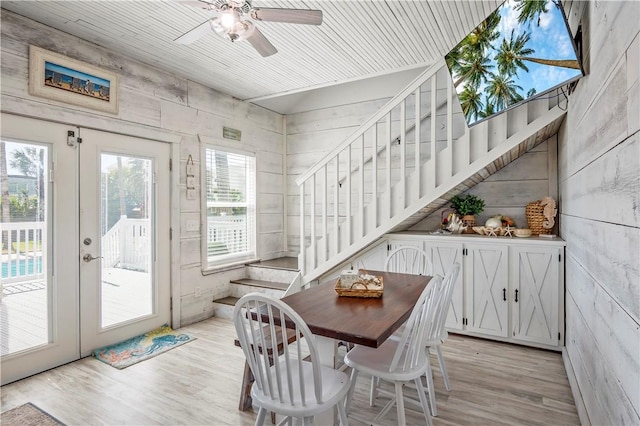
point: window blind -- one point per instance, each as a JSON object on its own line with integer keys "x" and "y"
{"x": 230, "y": 206}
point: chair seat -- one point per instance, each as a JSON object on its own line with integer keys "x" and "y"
{"x": 335, "y": 385}
{"x": 377, "y": 361}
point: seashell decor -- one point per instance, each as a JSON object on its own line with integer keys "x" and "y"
{"x": 455, "y": 225}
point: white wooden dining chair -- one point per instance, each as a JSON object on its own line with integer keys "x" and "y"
{"x": 436, "y": 336}
{"x": 439, "y": 335}
{"x": 403, "y": 360}
{"x": 287, "y": 384}
{"x": 409, "y": 260}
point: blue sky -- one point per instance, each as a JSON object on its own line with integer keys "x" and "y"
{"x": 550, "y": 40}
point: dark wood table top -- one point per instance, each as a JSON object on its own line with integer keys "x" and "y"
{"x": 364, "y": 321}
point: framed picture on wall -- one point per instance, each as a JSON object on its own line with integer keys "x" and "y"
{"x": 57, "y": 77}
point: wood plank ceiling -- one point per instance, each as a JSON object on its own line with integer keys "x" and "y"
{"x": 357, "y": 39}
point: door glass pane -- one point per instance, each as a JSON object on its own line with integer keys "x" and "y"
{"x": 24, "y": 278}
{"x": 126, "y": 226}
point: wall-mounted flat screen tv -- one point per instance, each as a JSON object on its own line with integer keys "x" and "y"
{"x": 524, "y": 49}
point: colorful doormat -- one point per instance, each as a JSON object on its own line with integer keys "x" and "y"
{"x": 28, "y": 415}
{"x": 139, "y": 348}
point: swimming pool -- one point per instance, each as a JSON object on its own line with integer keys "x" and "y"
{"x": 22, "y": 267}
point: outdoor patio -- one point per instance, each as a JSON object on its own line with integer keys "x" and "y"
{"x": 24, "y": 313}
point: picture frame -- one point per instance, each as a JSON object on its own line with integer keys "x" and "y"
{"x": 59, "y": 78}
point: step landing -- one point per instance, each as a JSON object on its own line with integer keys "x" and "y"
{"x": 271, "y": 277}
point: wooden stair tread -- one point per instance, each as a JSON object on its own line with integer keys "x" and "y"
{"x": 261, "y": 283}
{"x": 227, "y": 301}
{"x": 283, "y": 263}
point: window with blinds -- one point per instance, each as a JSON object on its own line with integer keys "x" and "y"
{"x": 230, "y": 182}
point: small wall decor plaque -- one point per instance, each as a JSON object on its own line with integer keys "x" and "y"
{"x": 229, "y": 133}
{"x": 57, "y": 77}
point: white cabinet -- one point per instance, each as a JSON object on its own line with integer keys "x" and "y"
{"x": 509, "y": 289}
{"x": 536, "y": 296}
{"x": 486, "y": 282}
{"x": 444, "y": 255}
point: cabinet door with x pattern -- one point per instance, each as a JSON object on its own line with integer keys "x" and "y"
{"x": 486, "y": 275}
{"x": 536, "y": 294}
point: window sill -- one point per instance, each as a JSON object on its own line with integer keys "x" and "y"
{"x": 227, "y": 266}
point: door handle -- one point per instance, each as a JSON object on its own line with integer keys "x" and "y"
{"x": 88, "y": 258}
{"x": 516, "y": 296}
{"x": 504, "y": 294}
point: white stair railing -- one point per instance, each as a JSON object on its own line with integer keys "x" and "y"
{"x": 374, "y": 181}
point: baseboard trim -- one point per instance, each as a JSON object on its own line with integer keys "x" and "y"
{"x": 583, "y": 415}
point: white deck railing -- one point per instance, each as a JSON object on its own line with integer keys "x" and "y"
{"x": 127, "y": 245}
{"x": 22, "y": 245}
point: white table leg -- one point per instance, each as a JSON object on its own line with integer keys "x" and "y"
{"x": 328, "y": 351}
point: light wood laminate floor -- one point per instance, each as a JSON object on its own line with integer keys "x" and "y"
{"x": 199, "y": 383}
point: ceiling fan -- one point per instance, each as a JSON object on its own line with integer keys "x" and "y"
{"x": 231, "y": 22}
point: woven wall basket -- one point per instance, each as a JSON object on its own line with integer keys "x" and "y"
{"x": 535, "y": 217}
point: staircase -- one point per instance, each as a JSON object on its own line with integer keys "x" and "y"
{"x": 404, "y": 163}
{"x": 275, "y": 277}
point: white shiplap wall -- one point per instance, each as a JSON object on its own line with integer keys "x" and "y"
{"x": 310, "y": 136}
{"x": 509, "y": 190}
{"x": 158, "y": 105}
{"x": 599, "y": 180}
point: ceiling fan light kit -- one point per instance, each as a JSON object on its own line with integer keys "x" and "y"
{"x": 231, "y": 24}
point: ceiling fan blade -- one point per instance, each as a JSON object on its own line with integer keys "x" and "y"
{"x": 195, "y": 34}
{"x": 291, "y": 16}
{"x": 261, "y": 44}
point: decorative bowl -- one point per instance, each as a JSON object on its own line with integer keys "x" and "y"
{"x": 522, "y": 232}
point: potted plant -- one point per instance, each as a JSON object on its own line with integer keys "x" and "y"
{"x": 468, "y": 207}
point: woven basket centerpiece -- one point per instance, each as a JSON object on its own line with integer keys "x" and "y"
{"x": 359, "y": 284}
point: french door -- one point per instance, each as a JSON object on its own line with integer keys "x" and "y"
{"x": 124, "y": 231}
{"x": 81, "y": 243}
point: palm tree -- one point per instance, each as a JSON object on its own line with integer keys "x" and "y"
{"x": 483, "y": 35}
{"x": 4, "y": 178}
{"x": 471, "y": 102}
{"x": 502, "y": 91}
{"x": 488, "y": 111}
{"x": 512, "y": 54}
{"x": 469, "y": 59}
{"x": 474, "y": 69}
{"x": 122, "y": 204}
{"x": 30, "y": 161}
{"x": 531, "y": 10}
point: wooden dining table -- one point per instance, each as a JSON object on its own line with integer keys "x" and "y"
{"x": 363, "y": 321}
